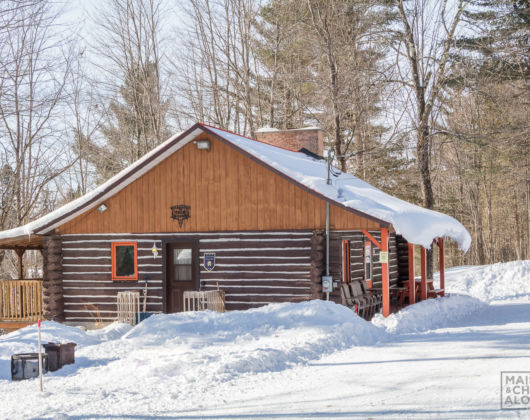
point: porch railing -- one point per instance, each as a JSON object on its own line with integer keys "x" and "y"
{"x": 20, "y": 300}
{"x": 199, "y": 301}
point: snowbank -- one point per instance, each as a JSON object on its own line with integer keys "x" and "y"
{"x": 430, "y": 314}
{"x": 25, "y": 340}
{"x": 266, "y": 339}
{"x": 223, "y": 345}
{"x": 491, "y": 282}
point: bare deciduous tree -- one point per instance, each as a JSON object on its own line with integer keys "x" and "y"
{"x": 128, "y": 50}
{"x": 217, "y": 74}
{"x": 34, "y": 62}
{"x": 32, "y": 89}
{"x": 426, "y": 41}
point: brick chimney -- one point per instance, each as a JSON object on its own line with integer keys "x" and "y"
{"x": 310, "y": 138}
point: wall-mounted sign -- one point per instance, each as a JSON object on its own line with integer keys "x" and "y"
{"x": 209, "y": 261}
{"x": 368, "y": 262}
{"x": 180, "y": 212}
{"x": 383, "y": 257}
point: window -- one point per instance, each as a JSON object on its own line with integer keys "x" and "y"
{"x": 183, "y": 266}
{"x": 124, "y": 261}
{"x": 368, "y": 263}
{"x": 346, "y": 271}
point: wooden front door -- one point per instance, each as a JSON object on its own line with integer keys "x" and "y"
{"x": 181, "y": 272}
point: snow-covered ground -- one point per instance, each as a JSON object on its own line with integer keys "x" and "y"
{"x": 437, "y": 359}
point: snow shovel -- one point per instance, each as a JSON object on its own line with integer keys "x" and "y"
{"x": 144, "y": 315}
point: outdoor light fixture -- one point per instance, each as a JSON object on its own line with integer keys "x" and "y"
{"x": 154, "y": 250}
{"x": 202, "y": 144}
{"x": 102, "y": 208}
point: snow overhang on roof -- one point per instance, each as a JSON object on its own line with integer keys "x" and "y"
{"x": 416, "y": 224}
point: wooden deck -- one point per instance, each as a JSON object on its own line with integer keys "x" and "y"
{"x": 10, "y": 326}
{"x": 20, "y": 303}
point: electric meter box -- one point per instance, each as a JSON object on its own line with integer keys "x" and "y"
{"x": 327, "y": 284}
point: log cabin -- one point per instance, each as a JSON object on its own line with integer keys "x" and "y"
{"x": 261, "y": 219}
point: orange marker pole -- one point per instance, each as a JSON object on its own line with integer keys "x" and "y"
{"x": 385, "y": 275}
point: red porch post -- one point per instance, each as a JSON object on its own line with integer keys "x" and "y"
{"x": 423, "y": 273}
{"x": 384, "y": 268}
{"x": 412, "y": 282}
{"x": 442, "y": 265}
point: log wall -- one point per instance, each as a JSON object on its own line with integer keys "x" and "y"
{"x": 254, "y": 268}
{"x": 52, "y": 283}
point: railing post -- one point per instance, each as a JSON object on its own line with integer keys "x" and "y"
{"x": 20, "y": 253}
{"x": 423, "y": 273}
{"x": 412, "y": 280}
{"x": 442, "y": 265}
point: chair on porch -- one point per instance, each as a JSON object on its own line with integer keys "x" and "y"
{"x": 369, "y": 299}
{"x": 357, "y": 293}
{"x": 352, "y": 302}
{"x": 376, "y": 293}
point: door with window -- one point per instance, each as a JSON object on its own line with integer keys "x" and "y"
{"x": 181, "y": 274}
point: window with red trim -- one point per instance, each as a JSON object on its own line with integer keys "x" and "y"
{"x": 368, "y": 266}
{"x": 346, "y": 269}
{"x": 124, "y": 256}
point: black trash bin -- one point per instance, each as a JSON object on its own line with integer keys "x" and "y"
{"x": 26, "y": 366}
{"x": 59, "y": 355}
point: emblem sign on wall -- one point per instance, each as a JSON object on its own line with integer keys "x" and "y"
{"x": 209, "y": 260}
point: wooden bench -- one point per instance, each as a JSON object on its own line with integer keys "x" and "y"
{"x": 431, "y": 291}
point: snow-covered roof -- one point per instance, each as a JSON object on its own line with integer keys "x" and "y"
{"x": 416, "y": 224}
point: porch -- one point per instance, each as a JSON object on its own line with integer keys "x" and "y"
{"x": 20, "y": 303}
{"x": 417, "y": 289}
{"x": 390, "y": 297}
{"x": 21, "y": 299}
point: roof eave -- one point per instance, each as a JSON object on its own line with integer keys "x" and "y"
{"x": 22, "y": 242}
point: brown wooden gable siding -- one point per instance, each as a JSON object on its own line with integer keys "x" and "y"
{"x": 254, "y": 268}
{"x": 226, "y": 190}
